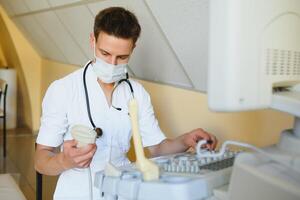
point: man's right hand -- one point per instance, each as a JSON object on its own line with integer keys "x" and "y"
{"x": 74, "y": 157}
{"x": 47, "y": 161}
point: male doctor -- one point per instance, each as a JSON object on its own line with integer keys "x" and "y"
{"x": 116, "y": 31}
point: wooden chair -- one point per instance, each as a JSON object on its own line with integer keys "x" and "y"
{"x": 3, "y": 92}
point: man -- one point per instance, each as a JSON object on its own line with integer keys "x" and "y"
{"x": 116, "y": 31}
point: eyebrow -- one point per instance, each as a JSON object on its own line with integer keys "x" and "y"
{"x": 110, "y": 53}
{"x": 103, "y": 51}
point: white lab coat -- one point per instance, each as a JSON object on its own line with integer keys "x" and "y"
{"x": 64, "y": 105}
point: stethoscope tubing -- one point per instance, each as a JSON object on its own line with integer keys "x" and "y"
{"x": 97, "y": 129}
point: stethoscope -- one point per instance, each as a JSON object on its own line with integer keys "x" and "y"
{"x": 98, "y": 129}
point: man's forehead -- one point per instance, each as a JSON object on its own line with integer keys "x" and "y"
{"x": 104, "y": 35}
{"x": 114, "y": 45}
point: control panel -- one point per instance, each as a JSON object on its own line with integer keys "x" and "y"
{"x": 182, "y": 176}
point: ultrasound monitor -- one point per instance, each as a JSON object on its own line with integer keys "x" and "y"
{"x": 254, "y": 63}
{"x": 254, "y": 57}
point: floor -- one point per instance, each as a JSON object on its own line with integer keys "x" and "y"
{"x": 19, "y": 163}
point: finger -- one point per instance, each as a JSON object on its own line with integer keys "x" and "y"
{"x": 193, "y": 144}
{"x": 84, "y": 157}
{"x": 70, "y": 143}
{"x": 201, "y": 134}
{"x": 208, "y": 145}
{"x": 85, "y": 150}
{"x": 85, "y": 164}
{"x": 82, "y": 163}
{"x": 214, "y": 141}
{"x": 74, "y": 143}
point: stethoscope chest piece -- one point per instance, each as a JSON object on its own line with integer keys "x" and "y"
{"x": 99, "y": 132}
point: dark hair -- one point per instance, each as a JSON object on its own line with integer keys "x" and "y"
{"x": 118, "y": 22}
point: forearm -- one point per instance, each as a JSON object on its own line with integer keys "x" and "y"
{"x": 168, "y": 146}
{"x": 49, "y": 163}
{"x": 183, "y": 143}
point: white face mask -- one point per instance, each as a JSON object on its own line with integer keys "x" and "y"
{"x": 108, "y": 73}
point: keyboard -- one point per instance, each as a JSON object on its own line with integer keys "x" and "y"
{"x": 182, "y": 176}
{"x": 189, "y": 163}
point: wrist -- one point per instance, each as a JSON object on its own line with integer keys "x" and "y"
{"x": 183, "y": 143}
{"x": 62, "y": 163}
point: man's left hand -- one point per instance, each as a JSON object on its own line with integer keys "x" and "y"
{"x": 191, "y": 139}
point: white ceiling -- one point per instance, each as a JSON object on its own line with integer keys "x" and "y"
{"x": 172, "y": 48}
{"x": 188, "y": 39}
{"x": 61, "y": 2}
{"x": 38, "y": 36}
{"x": 35, "y": 5}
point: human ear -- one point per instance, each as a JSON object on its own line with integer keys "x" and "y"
{"x": 92, "y": 41}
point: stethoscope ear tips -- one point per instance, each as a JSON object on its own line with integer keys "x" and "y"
{"x": 99, "y": 132}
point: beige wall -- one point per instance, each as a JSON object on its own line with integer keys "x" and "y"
{"x": 3, "y": 62}
{"x": 180, "y": 110}
{"x": 20, "y": 55}
{"x": 52, "y": 70}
